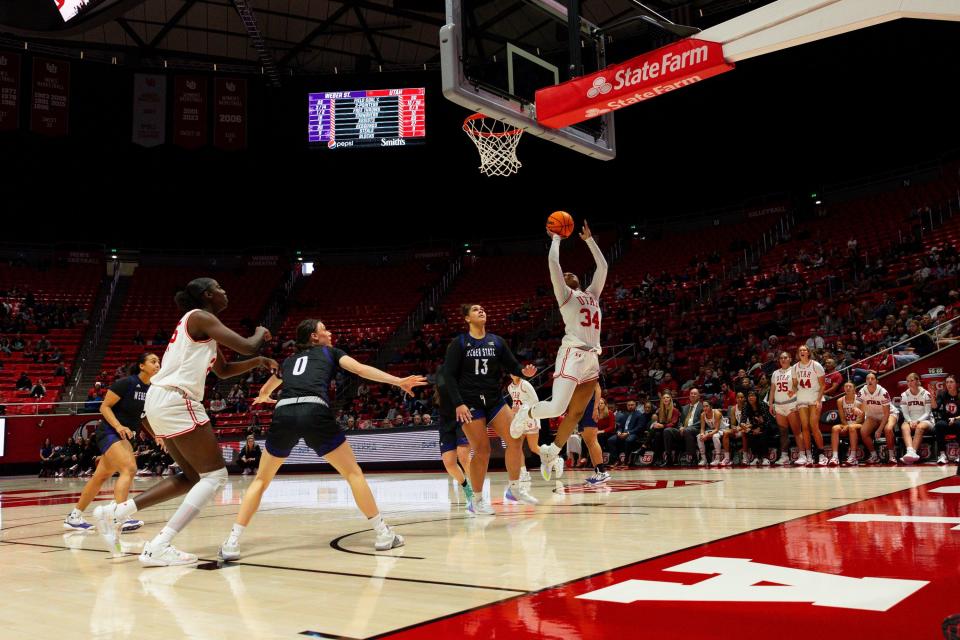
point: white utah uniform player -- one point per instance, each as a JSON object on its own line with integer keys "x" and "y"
{"x": 917, "y": 408}
{"x": 578, "y": 361}
{"x": 522, "y": 393}
{"x": 808, "y": 382}
{"x": 174, "y": 401}
{"x": 784, "y": 402}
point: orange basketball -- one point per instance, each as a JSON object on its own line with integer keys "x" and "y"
{"x": 560, "y": 223}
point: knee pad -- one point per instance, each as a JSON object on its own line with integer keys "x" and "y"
{"x": 216, "y": 478}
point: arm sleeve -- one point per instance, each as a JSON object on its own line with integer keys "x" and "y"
{"x": 528, "y": 393}
{"x": 560, "y": 288}
{"x": 450, "y": 371}
{"x": 600, "y": 275}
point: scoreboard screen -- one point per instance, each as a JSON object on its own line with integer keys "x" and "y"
{"x": 370, "y": 118}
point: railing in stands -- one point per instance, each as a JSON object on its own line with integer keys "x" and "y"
{"x": 94, "y": 334}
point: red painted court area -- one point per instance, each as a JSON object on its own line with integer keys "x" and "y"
{"x": 862, "y": 576}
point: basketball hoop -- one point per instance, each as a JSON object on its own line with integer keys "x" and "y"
{"x": 497, "y": 143}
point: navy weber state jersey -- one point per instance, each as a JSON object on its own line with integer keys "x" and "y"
{"x": 129, "y": 409}
{"x": 309, "y": 372}
{"x": 475, "y": 367}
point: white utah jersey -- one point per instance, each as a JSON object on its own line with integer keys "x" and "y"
{"x": 782, "y": 383}
{"x": 917, "y": 407}
{"x": 522, "y": 393}
{"x": 186, "y": 361}
{"x": 580, "y": 309}
{"x": 581, "y": 321}
{"x": 808, "y": 376}
{"x": 873, "y": 403}
{"x": 848, "y": 411}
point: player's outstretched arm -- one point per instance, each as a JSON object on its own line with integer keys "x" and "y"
{"x": 600, "y": 275}
{"x": 408, "y": 384}
{"x": 560, "y": 288}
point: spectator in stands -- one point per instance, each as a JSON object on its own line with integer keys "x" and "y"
{"x": 398, "y": 421}
{"x": 833, "y": 378}
{"x": 38, "y": 390}
{"x": 217, "y": 403}
{"x": 248, "y": 460}
{"x": 24, "y": 383}
{"x": 666, "y": 417}
{"x": 688, "y": 429}
{"x": 5, "y": 345}
{"x": 668, "y": 385}
{"x": 351, "y": 423}
{"x": 46, "y": 455}
{"x": 815, "y": 341}
{"x": 427, "y": 420}
{"x": 139, "y": 339}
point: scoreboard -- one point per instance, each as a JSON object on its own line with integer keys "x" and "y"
{"x": 369, "y": 118}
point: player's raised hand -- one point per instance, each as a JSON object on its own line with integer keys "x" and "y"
{"x": 263, "y": 400}
{"x": 409, "y": 383}
{"x": 529, "y": 371}
{"x": 586, "y": 233}
{"x": 267, "y": 337}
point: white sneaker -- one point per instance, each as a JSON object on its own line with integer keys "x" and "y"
{"x": 766, "y": 462}
{"x": 702, "y": 463}
{"x": 75, "y": 522}
{"x": 801, "y": 461}
{"x": 388, "y": 539}
{"x": 165, "y": 556}
{"x": 480, "y": 507}
{"x": 518, "y": 495}
{"x": 107, "y": 526}
{"x": 548, "y": 453}
{"x": 519, "y": 423}
{"x": 893, "y": 458}
{"x": 834, "y": 461}
{"x": 558, "y": 467}
{"x": 823, "y": 461}
{"x": 874, "y": 458}
{"x": 229, "y": 552}
{"x": 852, "y": 461}
{"x": 910, "y": 457}
{"x": 783, "y": 460}
{"x": 942, "y": 459}
{"x": 597, "y": 479}
{"x": 525, "y": 476}
{"x": 726, "y": 462}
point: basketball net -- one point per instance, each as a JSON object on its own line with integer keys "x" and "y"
{"x": 497, "y": 143}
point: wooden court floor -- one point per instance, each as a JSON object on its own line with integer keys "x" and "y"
{"x": 309, "y": 569}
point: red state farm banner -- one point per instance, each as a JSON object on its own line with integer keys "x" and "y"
{"x": 652, "y": 74}
{"x": 50, "y": 107}
{"x": 230, "y": 114}
{"x": 9, "y": 91}
{"x": 190, "y": 111}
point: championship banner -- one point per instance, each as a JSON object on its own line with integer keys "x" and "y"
{"x": 9, "y": 91}
{"x": 50, "y": 106}
{"x": 230, "y": 114}
{"x": 667, "y": 69}
{"x": 149, "y": 109}
{"x": 190, "y": 111}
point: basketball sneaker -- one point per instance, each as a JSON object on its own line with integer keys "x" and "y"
{"x": 834, "y": 461}
{"x": 480, "y": 507}
{"x": 164, "y": 556}
{"x": 823, "y": 460}
{"x": 909, "y": 457}
{"x": 75, "y": 522}
{"x": 130, "y": 525}
{"x": 852, "y": 461}
{"x": 874, "y": 458}
{"x": 727, "y": 462}
{"x": 519, "y": 423}
{"x": 525, "y": 476}
{"x": 468, "y": 492}
{"x": 388, "y": 539}
{"x": 229, "y": 550}
{"x": 942, "y": 458}
{"x": 801, "y": 461}
{"x": 784, "y": 459}
{"x": 517, "y": 495}
{"x": 108, "y": 527}
{"x": 558, "y": 467}
{"x": 766, "y": 462}
{"x": 893, "y": 458}
{"x": 598, "y": 478}
{"x": 548, "y": 453}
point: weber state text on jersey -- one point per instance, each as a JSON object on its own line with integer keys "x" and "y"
{"x": 476, "y": 366}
